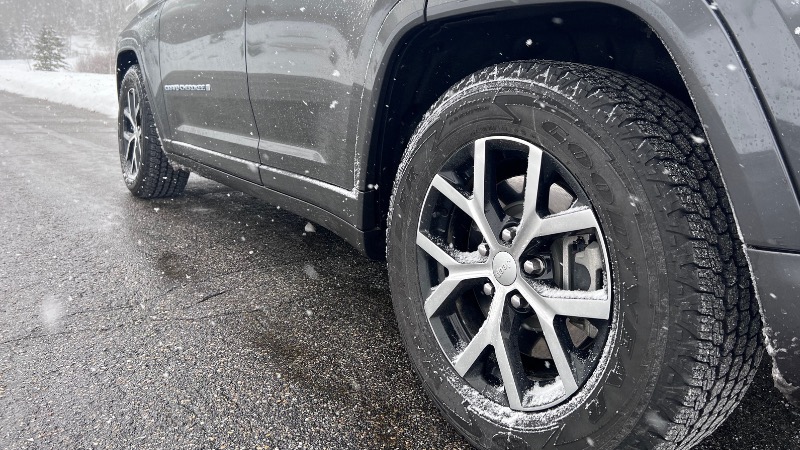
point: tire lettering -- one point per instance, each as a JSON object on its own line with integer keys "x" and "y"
{"x": 632, "y": 294}
{"x": 467, "y": 113}
{"x": 580, "y": 155}
{"x": 554, "y": 130}
{"x": 596, "y": 407}
{"x": 617, "y": 375}
{"x": 602, "y": 186}
{"x": 628, "y": 335}
{"x": 619, "y": 229}
{"x": 509, "y": 441}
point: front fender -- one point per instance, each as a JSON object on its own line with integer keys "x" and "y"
{"x": 737, "y": 128}
{"x": 141, "y": 37}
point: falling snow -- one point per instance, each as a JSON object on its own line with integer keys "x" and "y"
{"x": 698, "y": 140}
{"x": 311, "y": 272}
{"x": 51, "y": 312}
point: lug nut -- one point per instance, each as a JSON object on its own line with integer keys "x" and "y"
{"x": 509, "y": 234}
{"x": 483, "y": 249}
{"x": 518, "y": 302}
{"x": 535, "y": 267}
{"x": 488, "y": 289}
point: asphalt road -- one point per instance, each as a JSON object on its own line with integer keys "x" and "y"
{"x": 212, "y": 320}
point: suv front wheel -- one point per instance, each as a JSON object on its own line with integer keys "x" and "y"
{"x": 565, "y": 266}
{"x": 145, "y": 169}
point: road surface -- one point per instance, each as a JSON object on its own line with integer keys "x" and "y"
{"x": 208, "y": 321}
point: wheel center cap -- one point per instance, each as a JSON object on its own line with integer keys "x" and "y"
{"x": 504, "y": 268}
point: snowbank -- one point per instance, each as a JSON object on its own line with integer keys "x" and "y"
{"x": 94, "y": 92}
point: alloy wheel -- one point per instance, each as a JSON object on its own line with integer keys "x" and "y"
{"x": 132, "y": 135}
{"x": 514, "y": 273}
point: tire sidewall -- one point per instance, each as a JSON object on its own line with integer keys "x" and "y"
{"x": 604, "y": 411}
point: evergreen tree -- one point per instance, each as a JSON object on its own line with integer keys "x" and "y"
{"x": 6, "y": 46}
{"x": 22, "y": 40}
{"x": 49, "y": 51}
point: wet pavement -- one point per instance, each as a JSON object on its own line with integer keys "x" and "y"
{"x": 212, "y": 320}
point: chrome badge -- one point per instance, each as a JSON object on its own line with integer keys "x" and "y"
{"x": 187, "y": 87}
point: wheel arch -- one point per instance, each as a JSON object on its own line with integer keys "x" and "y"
{"x": 686, "y": 51}
{"x": 138, "y": 44}
{"x": 126, "y": 58}
{"x": 130, "y": 53}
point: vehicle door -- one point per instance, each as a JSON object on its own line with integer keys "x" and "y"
{"x": 205, "y": 84}
{"x": 307, "y": 62}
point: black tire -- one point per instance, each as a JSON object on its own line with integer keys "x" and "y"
{"x": 145, "y": 168}
{"x": 685, "y": 334}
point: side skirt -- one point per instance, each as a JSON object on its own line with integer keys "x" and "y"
{"x": 369, "y": 242}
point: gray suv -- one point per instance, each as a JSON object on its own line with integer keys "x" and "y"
{"x": 589, "y": 210}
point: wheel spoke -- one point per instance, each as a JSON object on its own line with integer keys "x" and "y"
{"x": 128, "y": 137}
{"x": 530, "y": 217}
{"x": 457, "y": 270}
{"x": 583, "y": 307}
{"x": 436, "y": 252}
{"x": 138, "y": 151}
{"x": 480, "y": 172}
{"x": 135, "y": 161}
{"x": 559, "y": 355}
{"x": 506, "y": 349}
{"x": 448, "y": 190}
{"x": 488, "y": 216}
{"x": 532, "y": 181}
{"x": 127, "y": 113}
{"x": 476, "y": 206}
{"x": 557, "y": 302}
{"x": 130, "y": 149}
{"x": 133, "y": 104}
{"x": 573, "y": 219}
{"x": 467, "y": 358}
{"x": 440, "y": 295}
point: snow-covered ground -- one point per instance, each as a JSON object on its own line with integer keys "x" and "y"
{"x": 94, "y": 92}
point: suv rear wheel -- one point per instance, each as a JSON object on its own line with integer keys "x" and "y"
{"x": 564, "y": 263}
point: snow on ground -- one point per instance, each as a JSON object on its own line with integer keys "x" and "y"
{"x": 94, "y": 92}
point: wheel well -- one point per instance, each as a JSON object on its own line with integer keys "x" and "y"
{"x": 125, "y": 60}
{"x": 434, "y": 56}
